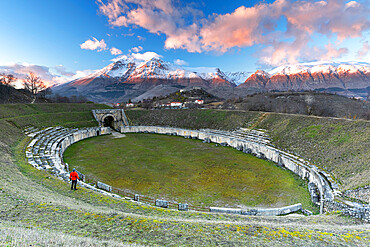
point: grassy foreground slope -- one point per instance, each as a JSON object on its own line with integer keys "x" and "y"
{"x": 338, "y": 145}
{"x": 40, "y": 210}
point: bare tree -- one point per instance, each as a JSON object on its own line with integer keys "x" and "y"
{"x": 7, "y": 79}
{"x": 33, "y": 83}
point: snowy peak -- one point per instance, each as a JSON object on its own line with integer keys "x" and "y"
{"x": 262, "y": 73}
{"x": 154, "y": 72}
{"x": 257, "y": 80}
{"x": 311, "y": 76}
{"x": 237, "y": 77}
{"x": 323, "y": 67}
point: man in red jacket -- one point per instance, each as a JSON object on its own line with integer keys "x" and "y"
{"x": 73, "y": 176}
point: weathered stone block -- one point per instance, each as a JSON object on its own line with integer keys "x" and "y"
{"x": 161, "y": 203}
{"x": 136, "y": 197}
{"x": 183, "y": 207}
{"x": 104, "y": 186}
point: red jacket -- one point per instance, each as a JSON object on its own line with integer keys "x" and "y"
{"x": 73, "y": 176}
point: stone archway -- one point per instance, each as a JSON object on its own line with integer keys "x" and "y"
{"x": 114, "y": 118}
{"x": 108, "y": 121}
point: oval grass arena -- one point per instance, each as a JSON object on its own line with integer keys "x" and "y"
{"x": 186, "y": 170}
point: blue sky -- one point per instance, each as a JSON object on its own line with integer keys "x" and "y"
{"x": 232, "y": 35}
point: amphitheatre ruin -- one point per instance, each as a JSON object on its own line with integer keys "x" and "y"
{"x": 340, "y": 208}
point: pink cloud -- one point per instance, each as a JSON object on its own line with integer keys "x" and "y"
{"x": 332, "y": 52}
{"x": 94, "y": 44}
{"x": 50, "y": 76}
{"x": 248, "y": 26}
{"x": 364, "y": 50}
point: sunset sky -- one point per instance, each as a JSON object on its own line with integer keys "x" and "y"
{"x": 62, "y": 40}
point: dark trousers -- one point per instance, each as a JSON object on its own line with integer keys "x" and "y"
{"x": 74, "y": 183}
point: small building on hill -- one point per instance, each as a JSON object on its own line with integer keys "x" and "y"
{"x": 176, "y": 104}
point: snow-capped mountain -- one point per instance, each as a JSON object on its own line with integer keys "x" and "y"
{"x": 128, "y": 78}
{"x": 131, "y": 79}
{"x": 257, "y": 80}
{"x": 349, "y": 77}
{"x": 238, "y": 77}
{"x": 157, "y": 71}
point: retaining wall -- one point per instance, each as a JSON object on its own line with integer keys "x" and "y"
{"x": 259, "y": 211}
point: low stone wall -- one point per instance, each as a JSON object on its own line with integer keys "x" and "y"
{"x": 104, "y": 186}
{"x": 295, "y": 164}
{"x": 362, "y": 194}
{"x": 351, "y": 209}
{"x": 74, "y": 137}
{"x": 259, "y": 211}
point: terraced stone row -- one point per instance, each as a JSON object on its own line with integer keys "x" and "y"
{"x": 41, "y": 151}
{"x": 246, "y": 134}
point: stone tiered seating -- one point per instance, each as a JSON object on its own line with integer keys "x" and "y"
{"x": 245, "y": 134}
{"x": 45, "y": 150}
{"x": 39, "y": 150}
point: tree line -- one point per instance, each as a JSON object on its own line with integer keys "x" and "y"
{"x": 34, "y": 85}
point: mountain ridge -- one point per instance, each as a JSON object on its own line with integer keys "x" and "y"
{"x": 131, "y": 79}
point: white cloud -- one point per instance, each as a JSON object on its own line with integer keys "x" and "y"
{"x": 145, "y": 56}
{"x": 94, "y": 44}
{"x": 180, "y": 62}
{"x": 138, "y": 57}
{"x": 82, "y": 73}
{"x": 62, "y": 70}
{"x": 136, "y": 49}
{"x": 115, "y": 51}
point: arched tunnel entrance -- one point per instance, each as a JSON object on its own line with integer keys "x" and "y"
{"x": 114, "y": 118}
{"x": 108, "y": 121}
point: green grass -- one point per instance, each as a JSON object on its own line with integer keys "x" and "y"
{"x": 312, "y": 131}
{"x": 339, "y": 146}
{"x": 193, "y": 119}
{"x": 186, "y": 170}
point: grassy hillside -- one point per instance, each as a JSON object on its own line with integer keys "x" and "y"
{"x": 39, "y": 209}
{"x": 306, "y": 103}
{"x": 193, "y": 119}
{"x": 10, "y": 95}
{"x": 337, "y": 145}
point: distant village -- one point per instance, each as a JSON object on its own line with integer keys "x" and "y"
{"x": 194, "y": 97}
